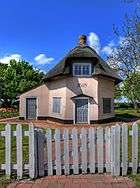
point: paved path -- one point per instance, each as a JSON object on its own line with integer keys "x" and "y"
{"x": 76, "y": 181}
{"x": 48, "y": 123}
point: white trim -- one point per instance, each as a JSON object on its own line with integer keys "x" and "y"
{"x": 25, "y": 117}
{"x": 76, "y": 63}
{"x": 74, "y": 107}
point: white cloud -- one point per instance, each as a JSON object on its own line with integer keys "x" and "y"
{"x": 7, "y": 58}
{"x": 107, "y": 50}
{"x": 94, "y": 42}
{"x": 42, "y": 59}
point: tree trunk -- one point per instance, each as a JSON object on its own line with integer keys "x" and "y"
{"x": 135, "y": 105}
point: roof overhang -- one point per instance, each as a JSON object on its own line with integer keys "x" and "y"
{"x": 81, "y": 95}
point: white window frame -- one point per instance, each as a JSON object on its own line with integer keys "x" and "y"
{"x": 53, "y": 106}
{"x": 82, "y": 64}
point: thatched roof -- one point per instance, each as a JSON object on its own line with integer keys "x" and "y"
{"x": 82, "y": 52}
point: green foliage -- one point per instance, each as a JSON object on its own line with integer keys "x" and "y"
{"x": 131, "y": 88}
{"x": 18, "y": 77}
{"x": 8, "y": 112}
{"x": 3, "y": 68}
{"x": 127, "y": 111}
{"x": 118, "y": 92}
{"x": 125, "y": 58}
{"x": 135, "y": 179}
{"x": 123, "y": 105}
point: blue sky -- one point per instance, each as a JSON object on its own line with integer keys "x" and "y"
{"x": 43, "y": 31}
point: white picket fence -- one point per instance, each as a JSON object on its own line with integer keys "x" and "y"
{"x": 88, "y": 151}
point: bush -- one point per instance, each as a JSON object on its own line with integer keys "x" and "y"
{"x": 8, "y": 112}
{"x": 123, "y": 105}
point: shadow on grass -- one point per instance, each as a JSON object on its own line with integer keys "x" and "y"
{"x": 126, "y": 117}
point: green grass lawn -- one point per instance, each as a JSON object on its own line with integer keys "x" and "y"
{"x": 135, "y": 179}
{"x": 126, "y": 115}
{"x": 127, "y": 111}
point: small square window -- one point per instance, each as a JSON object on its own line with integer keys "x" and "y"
{"x": 106, "y": 105}
{"x": 56, "y": 104}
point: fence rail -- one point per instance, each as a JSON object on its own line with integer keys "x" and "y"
{"x": 89, "y": 150}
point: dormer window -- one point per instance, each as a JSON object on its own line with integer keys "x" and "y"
{"x": 81, "y": 69}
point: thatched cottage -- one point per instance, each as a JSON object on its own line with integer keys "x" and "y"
{"x": 78, "y": 90}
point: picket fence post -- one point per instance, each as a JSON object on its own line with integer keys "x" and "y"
{"x": 117, "y": 151}
{"x": 19, "y": 151}
{"x": 108, "y": 149}
{"x": 8, "y": 150}
{"x": 49, "y": 151}
{"x": 75, "y": 150}
{"x": 84, "y": 150}
{"x": 58, "y": 151}
{"x": 112, "y": 149}
{"x": 66, "y": 151}
{"x": 32, "y": 163}
{"x": 40, "y": 151}
{"x": 92, "y": 150}
{"x": 124, "y": 149}
{"x": 134, "y": 148}
{"x": 100, "y": 149}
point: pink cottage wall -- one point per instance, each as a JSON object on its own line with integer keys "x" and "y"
{"x": 69, "y": 87}
{"x": 42, "y": 94}
{"x": 57, "y": 89}
{"x": 105, "y": 89}
{"x": 77, "y": 86}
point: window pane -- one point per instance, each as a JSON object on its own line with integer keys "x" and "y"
{"x": 106, "y": 105}
{"x": 56, "y": 104}
{"x": 77, "y": 70}
{"x": 86, "y": 69}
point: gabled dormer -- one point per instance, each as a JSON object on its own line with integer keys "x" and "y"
{"x": 82, "y": 61}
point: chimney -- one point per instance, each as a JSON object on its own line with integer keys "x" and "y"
{"x": 82, "y": 39}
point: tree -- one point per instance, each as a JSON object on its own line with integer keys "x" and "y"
{"x": 135, "y": 78}
{"x": 125, "y": 58}
{"x": 118, "y": 92}
{"x": 3, "y": 68}
{"x": 18, "y": 78}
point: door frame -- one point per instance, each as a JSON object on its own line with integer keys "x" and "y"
{"x": 25, "y": 115}
{"x": 74, "y": 107}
